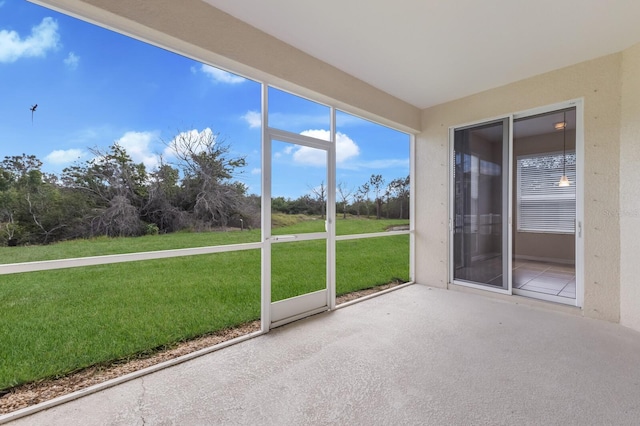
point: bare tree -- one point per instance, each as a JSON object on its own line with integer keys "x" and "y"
{"x": 118, "y": 188}
{"x": 8, "y": 227}
{"x": 208, "y": 169}
{"x": 320, "y": 194}
{"x": 345, "y": 195}
{"x": 120, "y": 219}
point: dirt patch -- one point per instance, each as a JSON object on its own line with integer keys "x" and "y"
{"x": 34, "y": 393}
{"x": 358, "y": 294}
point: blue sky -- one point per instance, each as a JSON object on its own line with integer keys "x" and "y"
{"x": 95, "y": 87}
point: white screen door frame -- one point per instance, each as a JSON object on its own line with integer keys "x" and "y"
{"x": 291, "y": 309}
{"x": 476, "y": 225}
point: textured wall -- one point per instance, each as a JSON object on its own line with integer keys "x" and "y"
{"x": 598, "y": 82}
{"x": 196, "y": 29}
{"x": 630, "y": 190}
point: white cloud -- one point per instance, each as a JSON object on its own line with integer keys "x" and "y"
{"x": 253, "y": 118}
{"x": 310, "y": 156}
{"x": 71, "y": 61}
{"x": 191, "y": 140}
{"x": 138, "y": 146}
{"x": 346, "y": 149}
{"x": 64, "y": 156}
{"x": 43, "y": 37}
{"x": 219, "y": 76}
{"x": 256, "y": 171}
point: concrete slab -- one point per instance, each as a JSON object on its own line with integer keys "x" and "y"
{"x": 413, "y": 356}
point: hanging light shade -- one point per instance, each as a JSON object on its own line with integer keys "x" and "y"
{"x": 564, "y": 180}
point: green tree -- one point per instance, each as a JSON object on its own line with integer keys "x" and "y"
{"x": 362, "y": 195}
{"x": 162, "y": 207}
{"x": 33, "y": 206}
{"x": 377, "y": 182}
{"x": 400, "y": 188}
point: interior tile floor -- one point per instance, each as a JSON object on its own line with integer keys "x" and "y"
{"x": 545, "y": 277}
{"x": 556, "y": 279}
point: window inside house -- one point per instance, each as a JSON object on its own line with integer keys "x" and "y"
{"x": 543, "y": 205}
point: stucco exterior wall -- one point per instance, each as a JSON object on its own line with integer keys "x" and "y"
{"x": 599, "y": 83}
{"x": 197, "y": 29}
{"x": 630, "y": 190}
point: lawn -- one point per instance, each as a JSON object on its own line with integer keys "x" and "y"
{"x": 55, "y": 322}
{"x": 283, "y": 224}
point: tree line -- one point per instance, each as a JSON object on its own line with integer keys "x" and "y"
{"x": 111, "y": 195}
{"x": 375, "y": 197}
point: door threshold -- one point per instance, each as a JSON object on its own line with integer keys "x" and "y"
{"x": 520, "y": 299}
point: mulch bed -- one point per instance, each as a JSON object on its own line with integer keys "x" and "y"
{"x": 36, "y": 392}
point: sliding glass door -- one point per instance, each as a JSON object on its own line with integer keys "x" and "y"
{"x": 480, "y": 205}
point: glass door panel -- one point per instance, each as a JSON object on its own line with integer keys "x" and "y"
{"x": 480, "y": 204}
{"x": 298, "y": 234}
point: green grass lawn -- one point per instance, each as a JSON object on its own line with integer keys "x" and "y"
{"x": 55, "y": 322}
{"x": 100, "y": 246}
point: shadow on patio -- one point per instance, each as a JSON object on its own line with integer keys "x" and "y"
{"x": 413, "y": 356}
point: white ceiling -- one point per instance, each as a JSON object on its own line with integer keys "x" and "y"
{"x": 431, "y": 51}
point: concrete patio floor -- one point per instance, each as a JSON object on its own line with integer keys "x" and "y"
{"x": 414, "y": 356}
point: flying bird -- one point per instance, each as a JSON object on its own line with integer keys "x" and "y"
{"x": 33, "y": 109}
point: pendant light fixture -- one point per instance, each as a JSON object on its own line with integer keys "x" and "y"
{"x": 564, "y": 180}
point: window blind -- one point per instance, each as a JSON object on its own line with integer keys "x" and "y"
{"x": 542, "y": 205}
